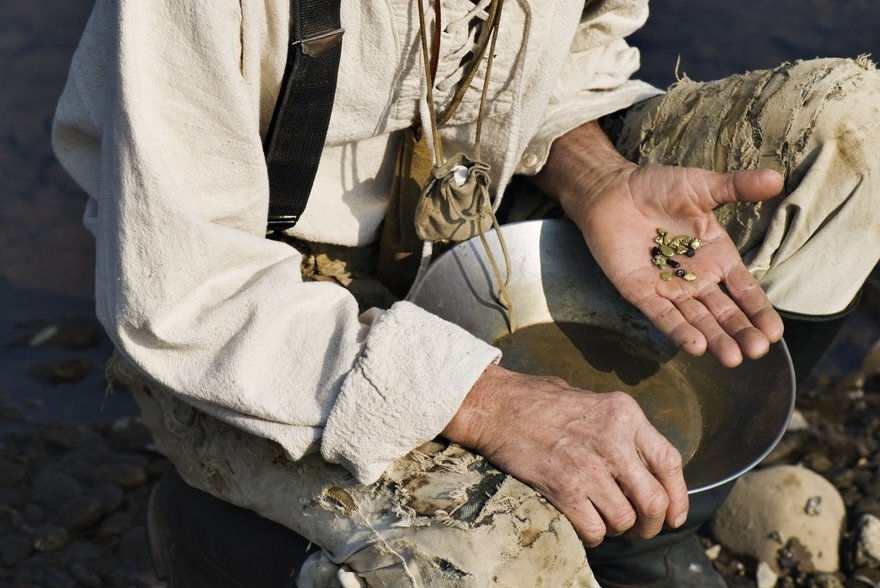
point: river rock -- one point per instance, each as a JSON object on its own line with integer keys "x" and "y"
{"x": 56, "y": 578}
{"x": 63, "y": 371}
{"x": 770, "y": 508}
{"x": 79, "y": 513}
{"x": 867, "y": 542}
{"x": 69, "y": 435}
{"x": 872, "y": 384}
{"x": 14, "y": 547}
{"x": 10, "y": 473}
{"x": 76, "y": 332}
{"x": 825, "y": 581}
{"x": 122, "y": 474}
{"x": 114, "y": 525}
{"x": 52, "y": 486}
{"x": 765, "y": 576}
{"x": 85, "y": 576}
{"x": 135, "y": 543}
{"x": 109, "y": 495}
{"x": 797, "y": 422}
{"x": 868, "y": 505}
{"x": 48, "y": 537}
{"x": 32, "y": 515}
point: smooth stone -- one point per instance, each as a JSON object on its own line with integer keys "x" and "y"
{"x": 122, "y": 474}
{"x": 765, "y": 576}
{"x": 32, "y": 514}
{"x": 48, "y": 537}
{"x": 867, "y": 542}
{"x": 51, "y": 486}
{"x": 56, "y": 578}
{"x": 14, "y": 547}
{"x": 69, "y": 333}
{"x": 69, "y": 436}
{"x": 85, "y": 576}
{"x": 871, "y": 361}
{"x": 110, "y": 496}
{"x": 135, "y": 543}
{"x": 79, "y": 513}
{"x": 66, "y": 371}
{"x": 11, "y": 474}
{"x": 114, "y": 525}
{"x": 768, "y": 508}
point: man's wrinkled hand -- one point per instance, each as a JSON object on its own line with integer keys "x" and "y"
{"x": 593, "y": 456}
{"x": 724, "y": 310}
{"x": 619, "y": 206}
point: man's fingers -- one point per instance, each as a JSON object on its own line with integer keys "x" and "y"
{"x": 634, "y": 504}
{"x": 751, "y": 342}
{"x": 718, "y": 341}
{"x": 743, "y": 186}
{"x": 669, "y": 320}
{"x": 649, "y": 498}
{"x": 587, "y": 523}
{"x": 756, "y": 184}
{"x": 611, "y": 503}
{"x": 752, "y": 299}
{"x": 730, "y": 326}
{"x": 633, "y": 497}
{"x": 664, "y": 461}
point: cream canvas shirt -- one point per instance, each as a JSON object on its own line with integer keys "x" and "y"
{"x": 161, "y": 123}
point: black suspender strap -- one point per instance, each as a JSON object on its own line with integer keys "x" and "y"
{"x": 299, "y": 124}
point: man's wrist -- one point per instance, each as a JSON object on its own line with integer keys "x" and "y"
{"x": 581, "y": 164}
{"x": 478, "y": 415}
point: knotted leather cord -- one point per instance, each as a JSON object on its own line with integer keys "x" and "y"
{"x": 430, "y": 62}
{"x": 488, "y": 38}
{"x": 491, "y": 24}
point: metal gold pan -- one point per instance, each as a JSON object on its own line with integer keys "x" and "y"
{"x": 571, "y": 322}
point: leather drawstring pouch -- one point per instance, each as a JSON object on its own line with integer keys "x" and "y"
{"x": 454, "y": 204}
{"x": 440, "y": 200}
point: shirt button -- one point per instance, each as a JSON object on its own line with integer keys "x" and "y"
{"x": 530, "y": 160}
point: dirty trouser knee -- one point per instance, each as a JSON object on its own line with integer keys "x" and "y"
{"x": 818, "y": 123}
{"x": 441, "y": 516}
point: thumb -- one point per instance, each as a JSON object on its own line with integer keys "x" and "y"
{"x": 750, "y": 185}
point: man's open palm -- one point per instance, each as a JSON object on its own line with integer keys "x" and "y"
{"x": 723, "y": 310}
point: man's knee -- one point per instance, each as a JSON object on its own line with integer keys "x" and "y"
{"x": 443, "y": 516}
{"x": 512, "y": 537}
{"x": 827, "y": 101}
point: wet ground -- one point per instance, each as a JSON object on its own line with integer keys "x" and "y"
{"x": 52, "y": 351}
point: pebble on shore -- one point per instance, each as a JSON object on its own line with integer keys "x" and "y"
{"x": 74, "y": 506}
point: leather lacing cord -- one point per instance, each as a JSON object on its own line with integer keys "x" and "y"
{"x": 487, "y": 39}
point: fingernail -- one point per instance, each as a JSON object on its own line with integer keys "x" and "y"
{"x": 679, "y": 521}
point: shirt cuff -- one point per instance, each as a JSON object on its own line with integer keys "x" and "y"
{"x": 408, "y": 383}
{"x": 585, "y": 107}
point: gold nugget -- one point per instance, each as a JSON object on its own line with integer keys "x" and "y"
{"x": 668, "y": 247}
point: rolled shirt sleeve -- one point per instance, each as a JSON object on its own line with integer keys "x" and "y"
{"x": 594, "y": 79}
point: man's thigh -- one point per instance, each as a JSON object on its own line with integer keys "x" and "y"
{"x": 441, "y": 516}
